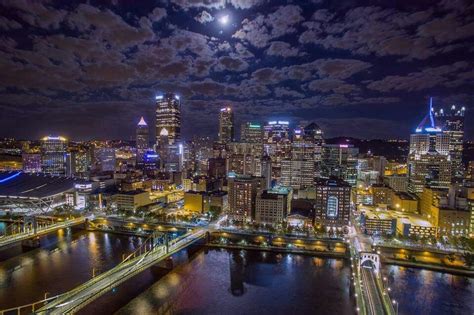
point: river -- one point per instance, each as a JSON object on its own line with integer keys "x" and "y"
{"x": 215, "y": 281}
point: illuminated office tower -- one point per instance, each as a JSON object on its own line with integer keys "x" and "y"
{"x": 105, "y": 159}
{"x": 53, "y": 155}
{"x": 151, "y": 161}
{"x": 277, "y": 144}
{"x": 452, "y": 124}
{"x": 266, "y": 170}
{"x": 142, "y": 140}
{"x": 302, "y": 147}
{"x": 333, "y": 203}
{"x": 168, "y": 119}
{"x": 276, "y": 131}
{"x": 339, "y": 160}
{"x": 82, "y": 163}
{"x": 31, "y": 162}
{"x": 297, "y": 173}
{"x": 226, "y": 125}
{"x": 251, "y": 132}
{"x": 429, "y": 162}
{"x": 314, "y": 133}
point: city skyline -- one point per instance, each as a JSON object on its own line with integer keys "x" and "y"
{"x": 313, "y": 61}
{"x": 237, "y": 157}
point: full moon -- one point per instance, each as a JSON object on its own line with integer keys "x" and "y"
{"x": 224, "y": 19}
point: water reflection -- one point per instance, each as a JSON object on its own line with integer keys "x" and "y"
{"x": 433, "y": 292}
{"x": 65, "y": 260}
{"x": 249, "y": 282}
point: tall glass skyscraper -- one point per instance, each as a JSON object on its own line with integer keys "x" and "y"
{"x": 168, "y": 119}
{"x": 142, "y": 140}
{"x": 226, "y": 125}
{"x": 53, "y": 155}
{"x": 452, "y": 123}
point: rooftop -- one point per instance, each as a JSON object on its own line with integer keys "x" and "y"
{"x": 23, "y": 185}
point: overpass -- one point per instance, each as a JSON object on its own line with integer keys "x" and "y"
{"x": 144, "y": 257}
{"x": 31, "y": 230}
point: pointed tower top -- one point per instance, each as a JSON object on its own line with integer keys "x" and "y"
{"x": 428, "y": 123}
{"x": 142, "y": 122}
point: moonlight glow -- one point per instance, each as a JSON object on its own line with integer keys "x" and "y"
{"x": 224, "y": 19}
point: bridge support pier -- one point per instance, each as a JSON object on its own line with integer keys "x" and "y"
{"x": 31, "y": 243}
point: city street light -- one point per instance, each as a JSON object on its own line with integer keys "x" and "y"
{"x": 395, "y": 303}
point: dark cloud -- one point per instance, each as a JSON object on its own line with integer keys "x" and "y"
{"x": 282, "y": 49}
{"x": 342, "y": 63}
{"x": 262, "y": 29}
{"x": 232, "y": 64}
{"x": 204, "y": 17}
{"x": 421, "y": 80}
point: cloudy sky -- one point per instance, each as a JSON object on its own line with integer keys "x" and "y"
{"x": 358, "y": 68}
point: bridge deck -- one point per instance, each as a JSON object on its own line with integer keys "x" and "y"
{"x": 82, "y": 295}
{"x": 10, "y": 239}
{"x": 372, "y": 296}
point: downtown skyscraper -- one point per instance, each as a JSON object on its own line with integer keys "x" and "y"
{"x": 53, "y": 155}
{"x": 142, "y": 140}
{"x": 168, "y": 119}
{"x": 429, "y": 163}
{"x": 451, "y": 123}
{"x": 226, "y": 125}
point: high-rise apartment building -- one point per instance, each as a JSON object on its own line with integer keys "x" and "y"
{"x": 333, "y": 203}
{"x": 142, "y": 140}
{"x": 53, "y": 155}
{"x": 226, "y": 125}
{"x": 243, "y": 191}
{"x": 452, "y": 124}
{"x": 168, "y": 119}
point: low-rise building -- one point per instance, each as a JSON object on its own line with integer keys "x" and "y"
{"x": 378, "y": 223}
{"x": 132, "y": 200}
{"x": 200, "y": 201}
{"x": 419, "y": 228}
{"x": 273, "y": 206}
{"x": 381, "y": 194}
{"x": 405, "y": 202}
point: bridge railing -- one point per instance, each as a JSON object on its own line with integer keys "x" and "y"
{"x": 134, "y": 265}
{"x": 359, "y": 295}
{"x": 30, "y": 308}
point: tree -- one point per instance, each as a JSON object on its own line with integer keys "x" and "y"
{"x": 468, "y": 258}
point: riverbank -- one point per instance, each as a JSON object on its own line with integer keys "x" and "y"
{"x": 281, "y": 250}
{"x": 419, "y": 265}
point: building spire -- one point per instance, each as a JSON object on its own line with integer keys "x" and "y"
{"x": 142, "y": 122}
{"x": 428, "y": 123}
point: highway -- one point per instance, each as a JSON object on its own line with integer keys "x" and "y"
{"x": 80, "y": 296}
{"x": 10, "y": 239}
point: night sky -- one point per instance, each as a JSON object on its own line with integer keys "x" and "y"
{"x": 358, "y": 68}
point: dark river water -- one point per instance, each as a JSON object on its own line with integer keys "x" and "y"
{"x": 214, "y": 281}
{"x": 422, "y": 291}
{"x": 249, "y": 282}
